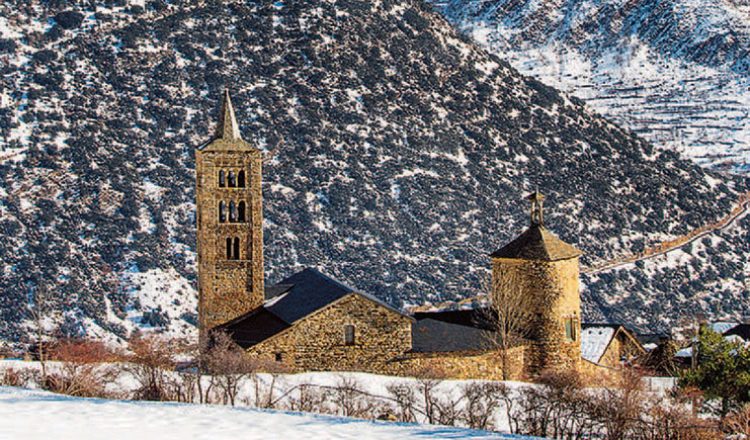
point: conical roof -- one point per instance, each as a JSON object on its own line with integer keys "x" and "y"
{"x": 228, "y": 128}
{"x": 227, "y": 136}
{"x": 538, "y": 243}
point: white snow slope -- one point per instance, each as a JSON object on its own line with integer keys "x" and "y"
{"x": 674, "y": 71}
{"x": 30, "y": 414}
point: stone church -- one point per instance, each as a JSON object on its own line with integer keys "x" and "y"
{"x": 310, "y": 321}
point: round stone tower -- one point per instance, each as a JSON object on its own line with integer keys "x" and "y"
{"x": 543, "y": 271}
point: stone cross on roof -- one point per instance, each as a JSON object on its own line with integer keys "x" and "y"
{"x": 537, "y": 243}
{"x": 228, "y": 128}
{"x": 537, "y": 210}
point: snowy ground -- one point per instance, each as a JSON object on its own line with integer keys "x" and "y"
{"x": 697, "y": 110}
{"x": 31, "y": 414}
{"x": 123, "y": 414}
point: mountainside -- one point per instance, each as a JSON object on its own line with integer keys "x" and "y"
{"x": 397, "y": 153}
{"x": 677, "y": 71}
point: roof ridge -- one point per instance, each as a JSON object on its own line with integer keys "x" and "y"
{"x": 329, "y": 278}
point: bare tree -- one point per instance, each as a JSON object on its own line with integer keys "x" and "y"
{"x": 483, "y": 401}
{"x": 149, "y": 362}
{"x": 350, "y": 400}
{"x": 405, "y": 398}
{"x": 229, "y": 364}
{"x": 737, "y": 423}
{"x": 428, "y": 380}
{"x": 510, "y": 314}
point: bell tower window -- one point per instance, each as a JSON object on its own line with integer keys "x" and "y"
{"x": 222, "y": 212}
{"x": 233, "y": 248}
{"x": 232, "y": 180}
{"x": 222, "y": 179}
{"x": 241, "y": 179}
{"x": 241, "y": 212}
{"x": 232, "y": 212}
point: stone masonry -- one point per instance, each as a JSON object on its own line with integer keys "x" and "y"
{"x": 317, "y": 343}
{"x": 553, "y": 287}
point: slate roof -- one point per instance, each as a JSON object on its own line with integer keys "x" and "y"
{"x": 227, "y": 135}
{"x": 595, "y": 339}
{"x": 452, "y": 330}
{"x": 254, "y": 327}
{"x": 433, "y": 336}
{"x": 310, "y": 291}
{"x": 538, "y": 243}
{"x": 287, "y": 302}
{"x": 722, "y": 327}
{"x": 741, "y": 330}
{"x": 480, "y": 317}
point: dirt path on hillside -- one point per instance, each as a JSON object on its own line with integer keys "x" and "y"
{"x": 740, "y": 210}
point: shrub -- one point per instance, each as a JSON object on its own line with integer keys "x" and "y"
{"x": 308, "y": 398}
{"x": 482, "y": 403}
{"x": 69, "y": 19}
{"x": 82, "y": 371}
{"x": 149, "y": 361}
{"x": 10, "y": 377}
{"x": 228, "y": 364}
{"x": 737, "y": 423}
{"x": 350, "y": 400}
{"x": 405, "y": 398}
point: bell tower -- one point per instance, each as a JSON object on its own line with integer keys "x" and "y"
{"x": 229, "y": 216}
{"x": 545, "y": 270}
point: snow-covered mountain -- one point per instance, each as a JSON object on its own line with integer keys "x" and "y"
{"x": 397, "y": 156}
{"x": 677, "y": 72}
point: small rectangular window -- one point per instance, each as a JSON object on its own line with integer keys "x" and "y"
{"x": 279, "y": 357}
{"x": 570, "y": 329}
{"x": 348, "y": 335}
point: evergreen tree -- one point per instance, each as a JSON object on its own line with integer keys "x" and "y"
{"x": 722, "y": 371}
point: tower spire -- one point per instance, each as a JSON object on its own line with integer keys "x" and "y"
{"x": 228, "y": 129}
{"x": 537, "y": 210}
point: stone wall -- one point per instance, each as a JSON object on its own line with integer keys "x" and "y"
{"x": 228, "y": 288}
{"x": 382, "y": 346}
{"x": 597, "y": 375}
{"x": 553, "y": 287}
{"x": 487, "y": 365}
{"x": 316, "y": 343}
{"x": 621, "y": 346}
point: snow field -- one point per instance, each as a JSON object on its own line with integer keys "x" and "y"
{"x": 31, "y": 415}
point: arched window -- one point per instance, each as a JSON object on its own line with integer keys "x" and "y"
{"x": 236, "y": 248}
{"x": 241, "y": 212}
{"x": 229, "y": 248}
{"x": 222, "y": 212}
{"x": 232, "y": 212}
{"x": 232, "y": 180}
{"x": 222, "y": 179}
{"x": 241, "y": 179}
